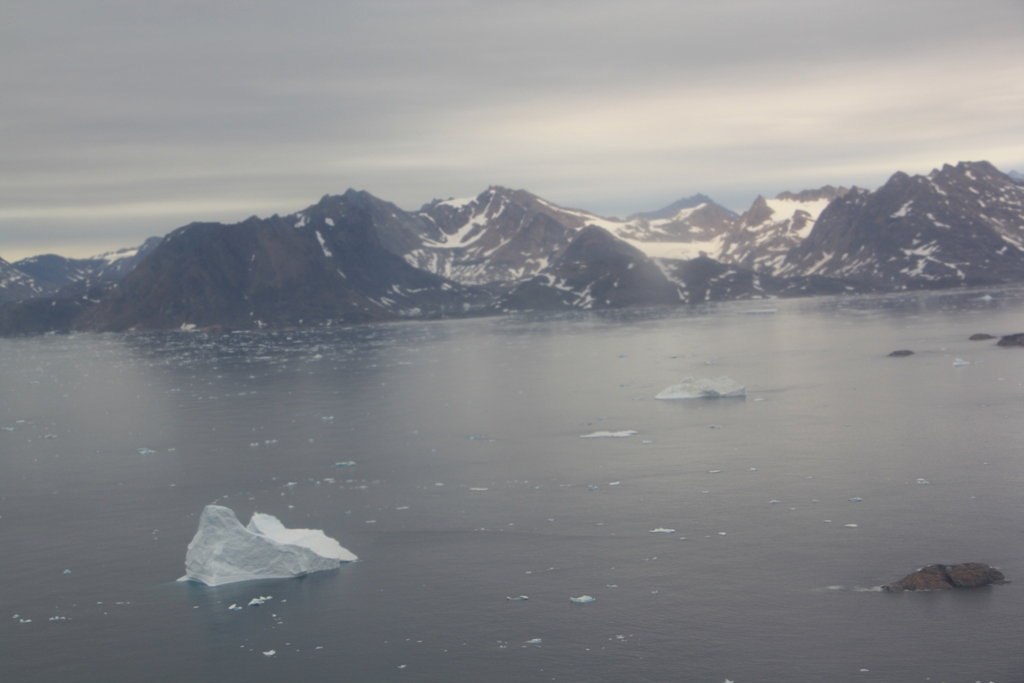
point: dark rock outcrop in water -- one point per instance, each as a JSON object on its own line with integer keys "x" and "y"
{"x": 899, "y": 353}
{"x": 945, "y": 577}
{"x": 1012, "y": 340}
{"x": 981, "y": 336}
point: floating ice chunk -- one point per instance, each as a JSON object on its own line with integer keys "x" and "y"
{"x": 234, "y": 607}
{"x": 582, "y": 599}
{"x": 145, "y": 451}
{"x": 347, "y": 463}
{"x": 852, "y": 526}
{"x": 692, "y": 387}
{"x": 518, "y": 598}
{"x": 922, "y": 481}
{"x": 960, "y": 361}
{"x": 606, "y": 435}
{"x": 67, "y": 571}
{"x": 256, "y": 602}
{"x": 535, "y": 641}
{"x": 478, "y": 488}
{"x": 662, "y": 530}
{"x": 270, "y": 653}
{"x": 774, "y": 502}
{"x": 856, "y": 499}
{"x": 223, "y": 551}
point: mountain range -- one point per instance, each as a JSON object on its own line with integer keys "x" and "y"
{"x": 357, "y": 258}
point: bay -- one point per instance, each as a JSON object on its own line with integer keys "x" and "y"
{"x": 471, "y": 484}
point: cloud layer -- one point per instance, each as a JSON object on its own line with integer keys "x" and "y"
{"x": 122, "y": 119}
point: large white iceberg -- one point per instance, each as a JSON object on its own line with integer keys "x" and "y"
{"x": 692, "y": 387}
{"x": 224, "y": 551}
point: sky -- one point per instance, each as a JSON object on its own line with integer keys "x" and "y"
{"x": 120, "y": 120}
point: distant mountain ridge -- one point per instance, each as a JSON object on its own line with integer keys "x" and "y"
{"x": 357, "y": 258}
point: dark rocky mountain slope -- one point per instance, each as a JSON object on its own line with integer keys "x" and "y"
{"x": 326, "y": 266}
{"x": 958, "y": 226}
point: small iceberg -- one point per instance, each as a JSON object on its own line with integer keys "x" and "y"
{"x": 609, "y": 435}
{"x": 662, "y": 530}
{"x": 692, "y": 387}
{"x": 223, "y": 551}
{"x": 581, "y": 600}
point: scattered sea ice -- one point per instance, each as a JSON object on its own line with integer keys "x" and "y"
{"x": 270, "y": 653}
{"x": 692, "y": 387}
{"x": 582, "y": 599}
{"x": 662, "y": 530}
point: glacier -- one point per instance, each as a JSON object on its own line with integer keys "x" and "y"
{"x": 224, "y": 551}
{"x": 691, "y": 387}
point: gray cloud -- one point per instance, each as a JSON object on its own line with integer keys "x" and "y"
{"x": 125, "y": 119}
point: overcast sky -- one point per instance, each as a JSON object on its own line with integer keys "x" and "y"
{"x": 121, "y": 120}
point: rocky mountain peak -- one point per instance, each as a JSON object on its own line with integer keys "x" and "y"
{"x": 959, "y": 225}
{"x": 674, "y": 208}
{"x": 826, "y": 192}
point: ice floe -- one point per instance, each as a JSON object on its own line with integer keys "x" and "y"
{"x": 582, "y": 599}
{"x": 662, "y": 530}
{"x": 609, "y": 435}
{"x": 223, "y": 551}
{"x": 693, "y": 387}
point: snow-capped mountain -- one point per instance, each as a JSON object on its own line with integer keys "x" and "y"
{"x": 766, "y": 232}
{"x": 53, "y": 272}
{"x": 509, "y": 236}
{"x": 16, "y": 285}
{"x": 324, "y": 264}
{"x": 961, "y": 225}
{"x": 1016, "y": 176}
{"x": 501, "y": 235}
{"x": 596, "y": 271}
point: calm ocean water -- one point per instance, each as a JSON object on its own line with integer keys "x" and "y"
{"x": 471, "y": 484}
